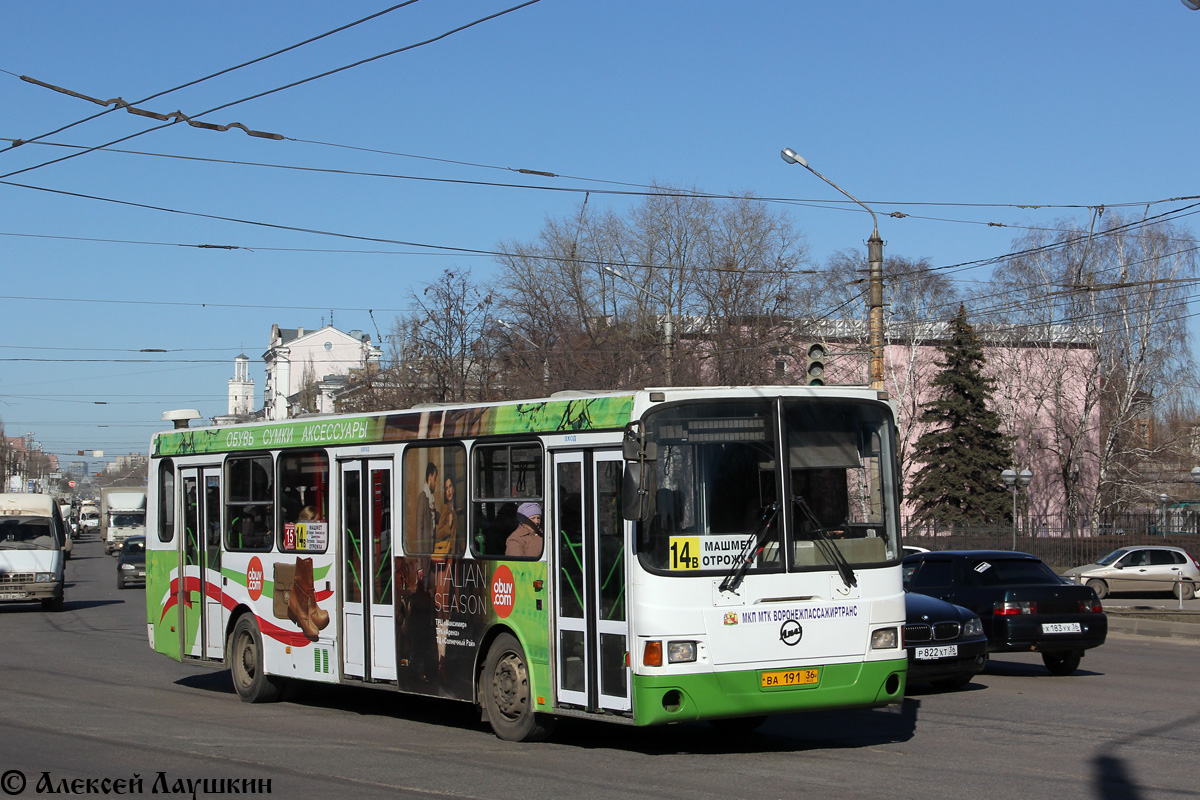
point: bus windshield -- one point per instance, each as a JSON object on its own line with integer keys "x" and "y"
{"x": 717, "y": 481}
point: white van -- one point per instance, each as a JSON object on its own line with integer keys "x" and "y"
{"x": 32, "y": 538}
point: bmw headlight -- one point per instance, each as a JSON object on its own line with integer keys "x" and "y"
{"x": 973, "y": 627}
{"x": 43, "y": 577}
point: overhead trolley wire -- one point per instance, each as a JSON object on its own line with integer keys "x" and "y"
{"x": 291, "y": 85}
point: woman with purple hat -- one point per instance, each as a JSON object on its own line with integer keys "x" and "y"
{"x": 526, "y": 540}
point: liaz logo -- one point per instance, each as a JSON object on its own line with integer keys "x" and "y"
{"x": 503, "y": 594}
{"x": 254, "y": 578}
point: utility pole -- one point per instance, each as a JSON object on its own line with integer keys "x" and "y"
{"x": 875, "y": 305}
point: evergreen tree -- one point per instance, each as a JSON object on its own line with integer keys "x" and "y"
{"x": 963, "y": 451}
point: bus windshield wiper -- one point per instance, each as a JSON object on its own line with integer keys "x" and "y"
{"x": 750, "y": 550}
{"x": 832, "y": 553}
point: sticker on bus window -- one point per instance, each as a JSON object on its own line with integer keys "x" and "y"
{"x": 309, "y": 535}
{"x": 685, "y": 553}
{"x": 708, "y": 552}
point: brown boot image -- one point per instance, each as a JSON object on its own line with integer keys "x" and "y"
{"x": 300, "y": 600}
{"x": 319, "y": 616}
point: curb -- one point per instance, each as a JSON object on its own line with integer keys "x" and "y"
{"x": 1153, "y": 627}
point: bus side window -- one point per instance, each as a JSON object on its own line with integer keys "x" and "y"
{"x": 249, "y": 503}
{"x": 166, "y": 501}
{"x": 505, "y": 476}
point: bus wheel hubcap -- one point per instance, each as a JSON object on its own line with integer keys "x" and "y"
{"x": 510, "y": 686}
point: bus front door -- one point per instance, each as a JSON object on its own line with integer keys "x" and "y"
{"x": 201, "y": 613}
{"x": 591, "y": 625}
{"x": 368, "y": 614}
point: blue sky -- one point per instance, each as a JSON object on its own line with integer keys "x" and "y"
{"x": 957, "y": 113}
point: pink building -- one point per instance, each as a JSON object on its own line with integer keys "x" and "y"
{"x": 1045, "y": 389}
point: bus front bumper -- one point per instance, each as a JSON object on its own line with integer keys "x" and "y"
{"x": 658, "y": 700}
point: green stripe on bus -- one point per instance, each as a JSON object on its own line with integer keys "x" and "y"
{"x": 546, "y": 416}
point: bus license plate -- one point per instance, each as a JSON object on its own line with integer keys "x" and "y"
{"x": 790, "y": 677}
{"x": 1060, "y": 627}
{"x": 931, "y": 653}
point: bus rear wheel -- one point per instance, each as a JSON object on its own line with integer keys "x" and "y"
{"x": 250, "y": 679}
{"x": 505, "y": 694}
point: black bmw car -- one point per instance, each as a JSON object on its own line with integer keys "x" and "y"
{"x": 946, "y": 644}
{"x": 1022, "y": 603}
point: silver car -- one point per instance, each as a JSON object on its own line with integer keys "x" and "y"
{"x": 1141, "y": 568}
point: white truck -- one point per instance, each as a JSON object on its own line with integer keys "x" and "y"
{"x": 122, "y": 514}
{"x": 32, "y": 538}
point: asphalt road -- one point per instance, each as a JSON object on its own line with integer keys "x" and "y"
{"x": 83, "y": 698}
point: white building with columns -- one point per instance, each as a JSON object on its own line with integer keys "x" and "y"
{"x": 312, "y": 362}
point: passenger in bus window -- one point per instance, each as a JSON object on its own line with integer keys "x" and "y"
{"x": 427, "y": 513}
{"x": 446, "y": 531}
{"x": 526, "y": 540}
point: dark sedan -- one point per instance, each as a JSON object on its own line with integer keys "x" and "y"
{"x": 946, "y": 644}
{"x": 131, "y": 563}
{"x": 1022, "y": 603}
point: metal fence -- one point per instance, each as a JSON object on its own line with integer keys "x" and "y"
{"x": 1060, "y": 545}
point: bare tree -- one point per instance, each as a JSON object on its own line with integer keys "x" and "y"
{"x": 750, "y": 293}
{"x": 306, "y": 397}
{"x": 1120, "y": 285}
{"x": 682, "y": 290}
{"x": 447, "y": 346}
{"x": 557, "y": 315}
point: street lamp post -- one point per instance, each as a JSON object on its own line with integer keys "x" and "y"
{"x": 1015, "y": 481}
{"x": 545, "y": 359}
{"x": 874, "y": 275}
{"x": 668, "y": 326}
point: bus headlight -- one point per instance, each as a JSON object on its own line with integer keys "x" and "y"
{"x": 43, "y": 577}
{"x": 885, "y": 639}
{"x": 681, "y": 652}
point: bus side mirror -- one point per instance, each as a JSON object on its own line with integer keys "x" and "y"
{"x": 635, "y": 446}
{"x": 636, "y": 451}
{"x": 633, "y": 497}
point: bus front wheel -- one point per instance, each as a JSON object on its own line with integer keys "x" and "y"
{"x": 250, "y": 679}
{"x": 505, "y": 694}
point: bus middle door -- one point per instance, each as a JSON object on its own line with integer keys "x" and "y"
{"x": 591, "y": 626}
{"x": 368, "y": 613}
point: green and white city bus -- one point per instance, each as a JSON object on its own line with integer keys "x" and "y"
{"x": 717, "y": 554}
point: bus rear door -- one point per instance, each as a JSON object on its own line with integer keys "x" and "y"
{"x": 201, "y": 618}
{"x": 368, "y": 614}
